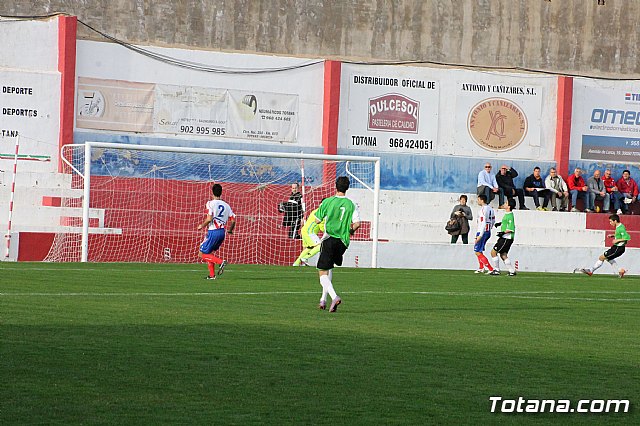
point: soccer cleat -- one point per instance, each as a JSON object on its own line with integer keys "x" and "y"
{"x": 513, "y": 274}
{"x": 303, "y": 263}
{"x": 322, "y": 305}
{"x": 479, "y": 271}
{"x": 494, "y": 272}
{"x": 222, "y": 265}
{"x": 586, "y": 271}
{"x": 335, "y": 303}
{"x": 622, "y": 272}
{"x": 208, "y": 277}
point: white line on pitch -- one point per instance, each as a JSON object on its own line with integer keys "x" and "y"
{"x": 549, "y": 295}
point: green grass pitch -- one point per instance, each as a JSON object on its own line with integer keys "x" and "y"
{"x": 157, "y": 344}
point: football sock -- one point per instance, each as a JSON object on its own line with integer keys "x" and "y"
{"x": 328, "y": 287}
{"x": 614, "y": 265}
{"x": 323, "y": 298}
{"x": 480, "y": 264}
{"x": 485, "y": 261}
{"x": 212, "y": 269}
{"x": 507, "y": 263}
{"x": 496, "y": 263}
{"x": 212, "y": 258}
{"x": 597, "y": 265}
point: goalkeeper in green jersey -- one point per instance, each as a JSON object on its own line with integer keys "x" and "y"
{"x": 505, "y": 239}
{"x": 310, "y": 239}
{"x": 620, "y": 240}
{"x": 341, "y": 221}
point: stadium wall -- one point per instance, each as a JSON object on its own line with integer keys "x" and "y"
{"x": 568, "y": 36}
{"x": 526, "y": 258}
{"x": 447, "y": 101}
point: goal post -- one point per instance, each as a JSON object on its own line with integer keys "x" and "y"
{"x": 150, "y": 199}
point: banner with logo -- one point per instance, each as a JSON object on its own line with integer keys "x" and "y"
{"x": 115, "y": 105}
{"x": 606, "y": 121}
{"x": 393, "y": 109}
{"x": 190, "y": 110}
{"x": 497, "y": 114}
{"x": 198, "y": 111}
{"x": 264, "y": 116}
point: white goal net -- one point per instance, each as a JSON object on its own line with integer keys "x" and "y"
{"x": 145, "y": 202}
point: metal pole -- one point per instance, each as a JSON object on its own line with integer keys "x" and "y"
{"x": 376, "y": 214}
{"x": 231, "y": 152}
{"x": 85, "y": 203}
{"x": 303, "y": 200}
{"x": 13, "y": 191}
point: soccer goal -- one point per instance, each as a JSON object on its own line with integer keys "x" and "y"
{"x": 144, "y": 203}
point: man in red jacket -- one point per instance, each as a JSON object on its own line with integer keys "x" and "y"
{"x": 612, "y": 190}
{"x": 577, "y": 189}
{"x": 629, "y": 189}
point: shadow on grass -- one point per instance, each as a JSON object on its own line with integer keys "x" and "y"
{"x": 242, "y": 374}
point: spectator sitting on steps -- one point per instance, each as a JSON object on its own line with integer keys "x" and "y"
{"x": 578, "y": 189}
{"x": 505, "y": 183}
{"x": 597, "y": 191}
{"x": 612, "y": 190}
{"x": 487, "y": 184}
{"x": 534, "y": 187}
{"x": 629, "y": 189}
{"x": 558, "y": 189}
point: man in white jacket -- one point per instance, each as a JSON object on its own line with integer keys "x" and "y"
{"x": 559, "y": 190}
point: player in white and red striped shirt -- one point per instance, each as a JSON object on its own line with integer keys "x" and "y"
{"x": 486, "y": 220}
{"x": 220, "y": 221}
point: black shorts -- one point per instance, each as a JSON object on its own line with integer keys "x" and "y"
{"x": 613, "y": 252}
{"x": 331, "y": 251}
{"x": 503, "y": 245}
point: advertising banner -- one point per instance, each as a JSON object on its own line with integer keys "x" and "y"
{"x": 30, "y": 110}
{"x": 606, "y": 120}
{"x": 115, "y": 105}
{"x": 186, "y": 110}
{"x": 190, "y": 110}
{"x": 495, "y": 114}
{"x": 392, "y": 109}
{"x": 263, "y": 116}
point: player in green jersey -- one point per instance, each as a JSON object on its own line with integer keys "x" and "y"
{"x": 620, "y": 240}
{"x": 310, "y": 239}
{"x": 506, "y": 235}
{"x": 341, "y": 220}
